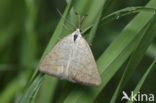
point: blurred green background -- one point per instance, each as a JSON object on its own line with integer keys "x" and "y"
{"x": 26, "y": 27}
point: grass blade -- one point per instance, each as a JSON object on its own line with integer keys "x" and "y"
{"x": 31, "y": 90}
{"x": 136, "y": 57}
{"x": 139, "y": 85}
{"x": 126, "y": 11}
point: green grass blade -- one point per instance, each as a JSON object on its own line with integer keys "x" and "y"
{"x": 115, "y": 55}
{"x": 91, "y": 35}
{"x": 136, "y": 57}
{"x": 126, "y": 11}
{"x": 46, "y": 92}
{"x": 31, "y": 90}
{"x": 139, "y": 85}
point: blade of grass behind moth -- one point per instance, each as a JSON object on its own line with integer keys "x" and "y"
{"x": 91, "y": 35}
{"x": 139, "y": 85}
{"x": 31, "y": 90}
{"x": 136, "y": 57}
{"x": 115, "y": 55}
{"x": 126, "y": 11}
{"x": 45, "y": 93}
{"x": 48, "y": 89}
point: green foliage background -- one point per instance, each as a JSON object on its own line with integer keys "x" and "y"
{"x": 121, "y": 34}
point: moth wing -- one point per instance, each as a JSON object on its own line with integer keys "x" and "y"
{"x": 54, "y": 63}
{"x": 83, "y": 67}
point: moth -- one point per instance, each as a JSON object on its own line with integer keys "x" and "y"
{"x": 72, "y": 59}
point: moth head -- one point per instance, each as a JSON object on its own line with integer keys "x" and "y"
{"x": 76, "y": 35}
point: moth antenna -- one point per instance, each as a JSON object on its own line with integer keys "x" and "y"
{"x": 83, "y": 17}
{"x": 79, "y": 23}
{"x": 79, "y": 19}
{"x": 65, "y": 19}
